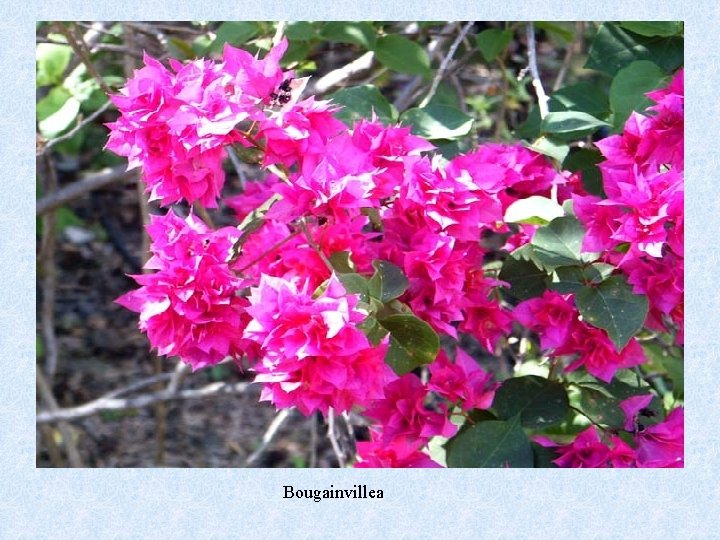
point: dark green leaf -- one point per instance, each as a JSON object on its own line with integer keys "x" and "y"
{"x": 340, "y": 261}
{"x": 613, "y": 48}
{"x": 585, "y": 161}
{"x": 582, "y": 97}
{"x": 570, "y": 123}
{"x": 601, "y": 401}
{"x": 412, "y": 342}
{"x": 653, "y": 28}
{"x": 525, "y": 278}
{"x": 543, "y": 456}
{"x": 233, "y": 32}
{"x": 361, "y": 102}
{"x": 628, "y": 89}
{"x": 359, "y": 33}
{"x": 560, "y": 244}
{"x": 355, "y": 284}
{"x": 400, "y": 54}
{"x": 492, "y": 42}
{"x": 571, "y": 279}
{"x": 300, "y": 31}
{"x": 490, "y": 444}
{"x": 388, "y": 282}
{"x": 557, "y": 28}
{"x": 374, "y": 332}
{"x": 438, "y": 122}
{"x": 613, "y": 307}
{"x": 539, "y": 401}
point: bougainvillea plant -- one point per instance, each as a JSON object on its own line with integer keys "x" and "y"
{"x": 360, "y": 250}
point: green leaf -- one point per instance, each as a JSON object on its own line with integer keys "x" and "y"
{"x": 585, "y": 161}
{"x": 438, "y": 122}
{"x": 548, "y": 146}
{"x": 653, "y": 28}
{"x": 582, "y": 97}
{"x": 558, "y": 29}
{"x": 535, "y": 210}
{"x": 538, "y": 401}
{"x": 388, "y": 282}
{"x": 571, "y": 279}
{"x": 374, "y": 332}
{"x": 360, "y": 102}
{"x": 601, "y": 402}
{"x": 340, "y": 261}
{"x": 300, "y": 31}
{"x": 492, "y": 42}
{"x": 543, "y": 456}
{"x": 355, "y": 284}
{"x": 493, "y": 443}
{"x": 613, "y": 48}
{"x": 358, "y": 33}
{"x": 525, "y": 278}
{"x": 412, "y": 342}
{"x": 400, "y": 54}
{"x": 560, "y": 244}
{"x": 51, "y": 61}
{"x": 628, "y": 89}
{"x": 56, "y": 112}
{"x": 233, "y": 32}
{"x": 570, "y": 124}
{"x": 613, "y": 307}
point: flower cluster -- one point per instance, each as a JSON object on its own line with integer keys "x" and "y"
{"x": 660, "y": 445}
{"x": 337, "y": 199}
{"x": 640, "y": 225}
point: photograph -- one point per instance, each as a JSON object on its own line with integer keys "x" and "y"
{"x": 359, "y": 244}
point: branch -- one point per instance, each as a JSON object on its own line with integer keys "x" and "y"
{"x": 535, "y": 74}
{"x": 70, "y": 134}
{"x": 141, "y": 401}
{"x": 269, "y": 435}
{"x": 80, "y": 49}
{"x": 445, "y": 63}
{"x": 333, "y": 439}
{"x": 46, "y": 396}
{"x": 77, "y": 189}
{"x": 337, "y": 76}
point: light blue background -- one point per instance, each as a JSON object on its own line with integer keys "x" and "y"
{"x": 163, "y": 503}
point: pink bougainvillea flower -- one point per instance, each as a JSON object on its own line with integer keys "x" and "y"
{"x": 550, "y": 316}
{"x": 632, "y": 407}
{"x": 662, "y": 445}
{"x": 313, "y": 356}
{"x": 462, "y": 381}
{"x": 397, "y": 454}
{"x": 189, "y": 306}
{"x": 587, "y": 450}
{"x": 402, "y": 413}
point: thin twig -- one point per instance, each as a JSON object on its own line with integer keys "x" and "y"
{"x": 81, "y": 124}
{"x": 445, "y": 63}
{"x": 534, "y": 73}
{"x": 269, "y": 435}
{"x": 313, "y": 440}
{"x": 46, "y": 260}
{"x": 181, "y": 371}
{"x": 238, "y": 165}
{"x": 314, "y": 245}
{"x": 139, "y": 402}
{"x": 46, "y": 396}
{"x": 268, "y": 251}
{"x": 80, "y": 49}
{"x": 279, "y": 31}
{"x": 573, "y": 48}
{"x": 338, "y": 76}
{"x": 77, "y": 189}
{"x": 333, "y": 439}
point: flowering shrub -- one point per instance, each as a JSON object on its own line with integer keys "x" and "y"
{"x": 361, "y": 247}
